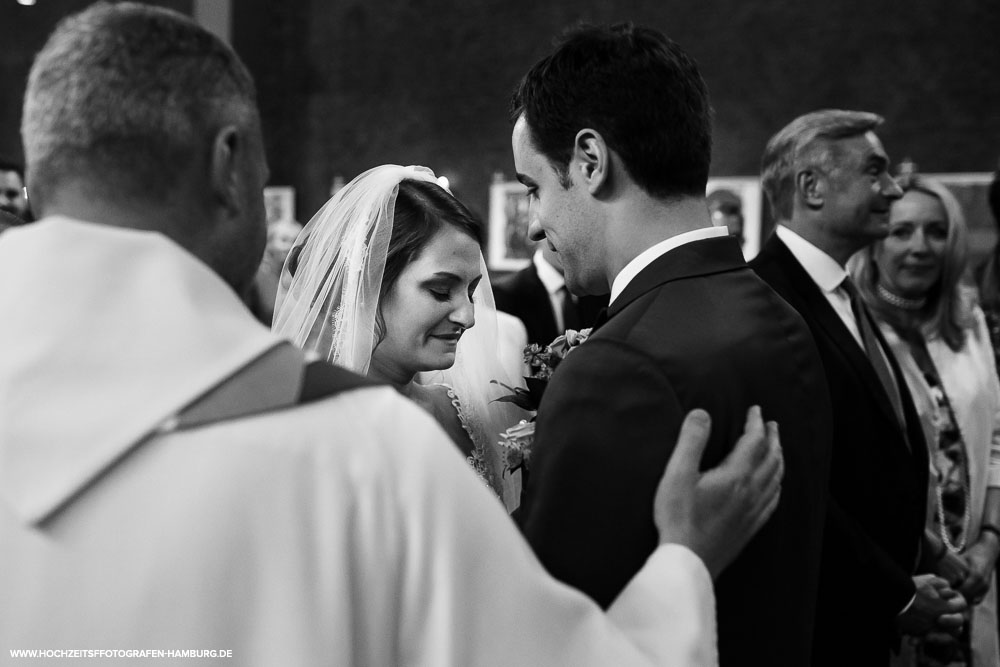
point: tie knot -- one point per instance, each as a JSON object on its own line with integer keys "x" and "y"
{"x": 848, "y": 286}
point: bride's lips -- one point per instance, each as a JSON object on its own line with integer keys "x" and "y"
{"x": 448, "y": 337}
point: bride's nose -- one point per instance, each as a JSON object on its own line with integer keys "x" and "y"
{"x": 465, "y": 314}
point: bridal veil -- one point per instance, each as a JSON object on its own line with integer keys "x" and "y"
{"x": 328, "y": 302}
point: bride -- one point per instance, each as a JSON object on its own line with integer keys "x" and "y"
{"x": 388, "y": 279}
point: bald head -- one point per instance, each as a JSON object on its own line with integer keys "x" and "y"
{"x": 135, "y": 115}
{"x": 128, "y": 95}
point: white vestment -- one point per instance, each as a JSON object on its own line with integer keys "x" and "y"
{"x": 347, "y": 531}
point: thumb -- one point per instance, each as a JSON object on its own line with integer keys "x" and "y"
{"x": 939, "y": 584}
{"x": 691, "y": 443}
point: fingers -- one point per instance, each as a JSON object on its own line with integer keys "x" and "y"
{"x": 771, "y": 470}
{"x": 771, "y": 505}
{"x": 691, "y": 443}
{"x": 956, "y": 604}
{"x": 950, "y": 621}
{"x": 974, "y": 587}
{"x": 936, "y": 582}
{"x": 774, "y": 445}
{"x": 752, "y": 448}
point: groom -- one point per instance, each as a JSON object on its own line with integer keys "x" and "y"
{"x": 612, "y": 139}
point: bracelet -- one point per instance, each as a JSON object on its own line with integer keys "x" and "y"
{"x": 990, "y": 528}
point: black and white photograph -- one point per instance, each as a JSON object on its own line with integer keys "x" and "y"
{"x": 489, "y": 334}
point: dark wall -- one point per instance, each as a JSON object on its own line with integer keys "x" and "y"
{"x": 23, "y": 31}
{"x": 345, "y": 85}
{"x": 348, "y": 85}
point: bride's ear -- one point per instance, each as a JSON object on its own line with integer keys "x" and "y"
{"x": 591, "y": 160}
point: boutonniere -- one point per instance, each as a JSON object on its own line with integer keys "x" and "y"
{"x": 542, "y": 362}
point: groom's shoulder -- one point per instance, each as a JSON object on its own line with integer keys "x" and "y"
{"x": 686, "y": 319}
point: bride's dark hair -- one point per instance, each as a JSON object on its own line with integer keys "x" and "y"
{"x": 420, "y": 211}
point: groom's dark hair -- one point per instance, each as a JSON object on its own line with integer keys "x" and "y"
{"x": 634, "y": 86}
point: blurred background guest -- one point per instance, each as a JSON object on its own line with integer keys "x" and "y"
{"x": 13, "y": 197}
{"x": 726, "y": 209}
{"x": 988, "y": 274}
{"x": 8, "y": 220}
{"x": 912, "y": 280}
{"x": 537, "y": 295}
{"x": 280, "y": 237}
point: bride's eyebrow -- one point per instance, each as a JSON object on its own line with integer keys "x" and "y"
{"x": 448, "y": 276}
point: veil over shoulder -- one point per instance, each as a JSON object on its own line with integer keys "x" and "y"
{"x": 328, "y": 303}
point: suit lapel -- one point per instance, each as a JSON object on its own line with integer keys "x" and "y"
{"x": 697, "y": 258}
{"x": 830, "y": 323}
{"x": 532, "y": 305}
{"x": 541, "y": 304}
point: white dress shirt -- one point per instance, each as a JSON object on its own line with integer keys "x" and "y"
{"x": 826, "y": 273}
{"x": 555, "y": 285}
{"x": 648, "y": 256}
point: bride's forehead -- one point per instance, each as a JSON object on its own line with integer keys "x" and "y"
{"x": 452, "y": 245}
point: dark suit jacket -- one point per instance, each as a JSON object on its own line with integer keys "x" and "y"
{"x": 878, "y": 483}
{"x": 695, "y": 329}
{"x": 523, "y": 295}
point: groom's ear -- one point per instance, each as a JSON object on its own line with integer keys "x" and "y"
{"x": 592, "y": 158}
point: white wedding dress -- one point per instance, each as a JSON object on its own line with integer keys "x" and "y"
{"x": 477, "y": 458}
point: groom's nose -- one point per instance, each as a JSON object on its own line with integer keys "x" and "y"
{"x": 535, "y": 231}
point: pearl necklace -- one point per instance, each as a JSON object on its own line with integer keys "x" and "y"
{"x": 898, "y": 301}
{"x": 966, "y": 519}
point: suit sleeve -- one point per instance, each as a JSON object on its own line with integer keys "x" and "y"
{"x": 470, "y": 592}
{"x": 606, "y": 427}
{"x": 888, "y": 580}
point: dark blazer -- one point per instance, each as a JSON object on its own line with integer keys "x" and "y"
{"x": 878, "y": 483}
{"x": 523, "y": 295}
{"x": 694, "y": 329}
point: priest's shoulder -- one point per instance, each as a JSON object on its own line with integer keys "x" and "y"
{"x": 323, "y": 380}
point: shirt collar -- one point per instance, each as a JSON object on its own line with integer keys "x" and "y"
{"x": 646, "y": 257}
{"x": 823, "y": 269}
{"x": 548, "y": 274}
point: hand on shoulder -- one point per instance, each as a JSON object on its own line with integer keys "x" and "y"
{"x": 716, "y": 512}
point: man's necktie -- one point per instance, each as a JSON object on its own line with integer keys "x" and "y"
{"x": 570, "y": 312}
{"x": 873, "y": 350}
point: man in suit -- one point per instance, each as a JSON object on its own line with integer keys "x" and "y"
{"x": 612, "y": 139}
{"x": 538, "y": 296}
{"x": 826, "y": 177}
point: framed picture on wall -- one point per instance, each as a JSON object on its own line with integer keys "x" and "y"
{"x": 509, "y": 247}
{"x": 279, "y": 204}
{"x": 736, "y": 203}
{"x": 972, "y": 192}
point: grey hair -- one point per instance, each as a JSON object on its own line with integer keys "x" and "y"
{"x": 796, "y": 146}
{"x": 126, "y": 96}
